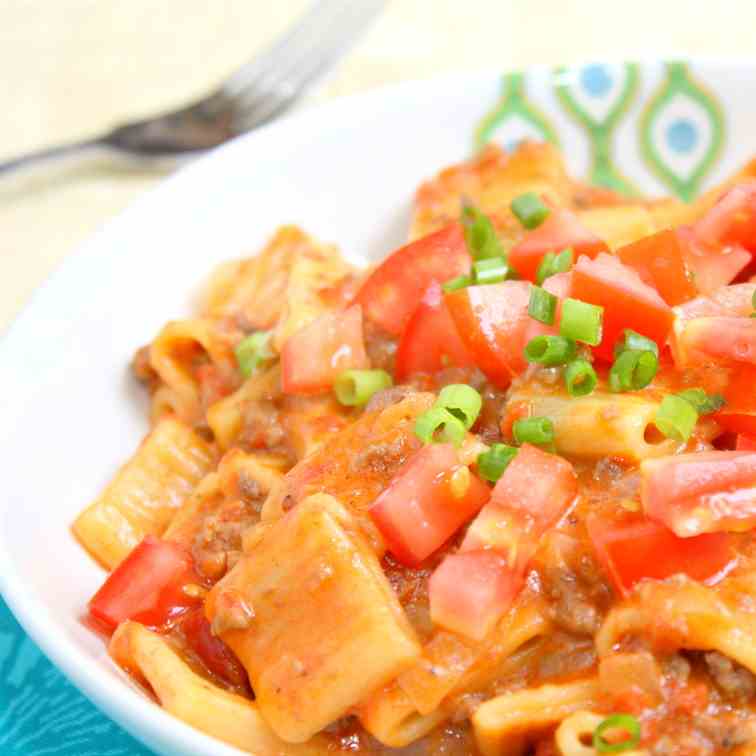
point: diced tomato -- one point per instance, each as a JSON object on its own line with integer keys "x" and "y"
{"x": 470, "y": 591}
{"x": 392, "y": 292}
{"x": 732, "y": 221}
{"x": 314, "y": 356}
{"x": 721, "y": 339}
{"x": 744, "y": 443}
{"x": 493, "y": 322}
{"x": 419, "y": 512}
{"x": 711, "y": 266}
{"x": 659, "y": 260}
{"x": 703, "y": 492}
{"x": 739, "y": 412}
{"x": 211, "y": 650}
{"x": 532, "y": 494}
{"x": 634, "y": 548}
{"x": 147, "y": 586}
{"x": 627, "y": 302}
{"x": 560, "y": 230}
{"x": 538, "y": 484}
{"x": 430, "y": 341}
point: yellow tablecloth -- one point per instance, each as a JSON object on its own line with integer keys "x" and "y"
{"x": 72, "y": 67}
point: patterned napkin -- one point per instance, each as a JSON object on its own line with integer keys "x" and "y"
{"x": 42, "y": 713}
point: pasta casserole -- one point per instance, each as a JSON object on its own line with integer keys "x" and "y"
{"x": 495, "y": 495}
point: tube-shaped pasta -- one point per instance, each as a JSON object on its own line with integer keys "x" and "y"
{"x": 502, "y": 724}
{"x": 174, "y": 352}
{"x": 315, "y": 269}
{"x": 145, "y": 493}
{"x": 450, "y": 666}
{"x": 600, "y": 425}
{"x": 576, "y": 729}
{"x": 308, "y": 602}
{"x": 193, "y": 699}
{"x": 699, "y": 616}
{"x": 393, "y": 718}
{"x": 253, "y": 290}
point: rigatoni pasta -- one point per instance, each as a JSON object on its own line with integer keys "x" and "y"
{"x": 477, "y": 499}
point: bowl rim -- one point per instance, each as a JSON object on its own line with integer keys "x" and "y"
{"x": 125, "y": 704}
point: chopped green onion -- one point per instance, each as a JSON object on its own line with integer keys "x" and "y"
{"x": 632, "y": 340}
{"x": 463, "y": 401}
{"x": 633, "y": 370}
{"x": 480, "y": 235}
{"x": 703, "y": 403}
{"x": 538, "y": 431}
{"x": 529, "y": 209}
{"x": 676, "y": 418}
{"x": 252, "y": 351}
{"x": 353, "y": 388}
{"x": 553, "y": 263}
{"x": 550, "y": 350}
{"x": 492, "y": 463}
{"x": 460, "y": 282}
{"x": 626, "y": 722}
{"x": 580, "y": 378}
{"x": 753, "y": 299}
{"x": 491, "y": 270}
{"x": 542, "y": 305}
{"x": 581, "y": 321}
{"x": 438, "y": 424}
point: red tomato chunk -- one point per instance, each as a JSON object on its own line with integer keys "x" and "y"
{"x": 635, "y": 548}
{"x": 704, "y": 492}
{"x": 147, "y": 586}
{"x": 315, "y": 355}
{"x": 394, "y": 288}
{"x": 419, "y": 511}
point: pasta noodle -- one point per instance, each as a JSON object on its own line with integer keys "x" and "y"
{"x": 339, "y": 607}
{"x": 188, "y": 696}
{"x": 501, "y": 723}
{"x": 600, "y": 425}
{"x": 145, "y": 493}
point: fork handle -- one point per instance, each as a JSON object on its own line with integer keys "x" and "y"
{"x": 58, "y": 154}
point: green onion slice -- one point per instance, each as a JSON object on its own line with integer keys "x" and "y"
{"x": 353, "y": 388}
{"x": 753, "y": 299}
{"x": 553, "y": 263}
{"x": 492, "y": 463}
{"x": 480, "y": 235}
{"x": 703, "y": 403}
{"x": 676, "y": 418}
{"x": 580, "y": 378}
{"x": 460, "y": 282}
{"x": 542, "y": 305}
{"x": 550, "y": 350}
{"x": 530, "y": 210}
{"x": 252, "y": 351}
{"x": 581, "y": 321}
{"x": 633, "y": 370}
{"x": 438, "y": 424}
{"x": 626, "y": 722}
{"x": 632, "y": 340}
{"x": 463, "y": 401}
{"x": 490, "y": 270}
{"x": 538, "y": 431}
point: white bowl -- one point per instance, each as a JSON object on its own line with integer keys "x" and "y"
{"x": 70, "y": 413}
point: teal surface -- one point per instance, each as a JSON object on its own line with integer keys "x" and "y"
{"x": 41, "y": 713}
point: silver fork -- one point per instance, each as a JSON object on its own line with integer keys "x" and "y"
{"x": 252, "y": 95}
